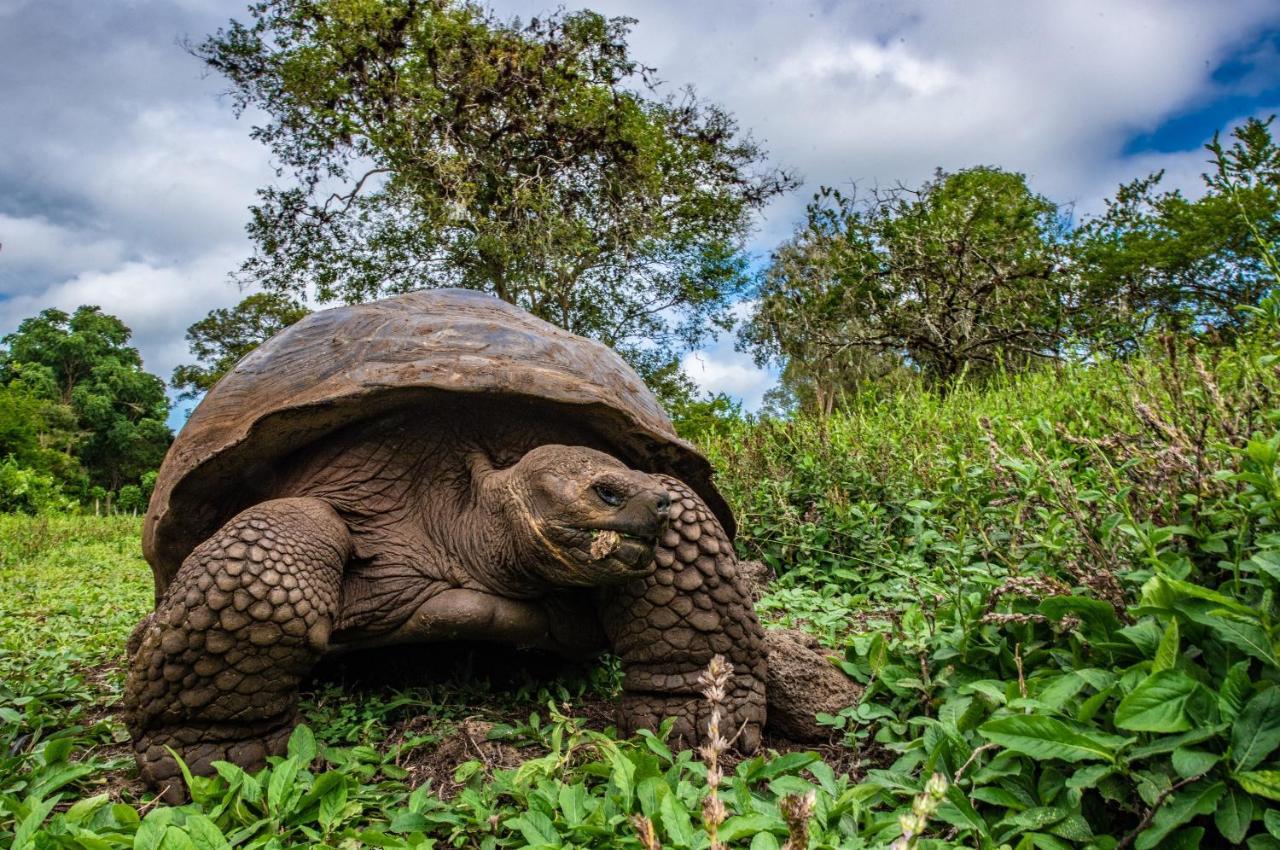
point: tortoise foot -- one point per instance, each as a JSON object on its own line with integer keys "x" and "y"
{"x": 216, "y": 668}
{"x": 199, "y": 747}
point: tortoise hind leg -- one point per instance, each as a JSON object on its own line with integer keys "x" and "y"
{"x": 667, "y": 627}
{"x": 214, "y": 670}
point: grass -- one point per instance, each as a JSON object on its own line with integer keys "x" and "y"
{"x": 1060, "y": 590}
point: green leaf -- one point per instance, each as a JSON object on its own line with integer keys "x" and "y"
{"x": 152, "y": 829}
{"x": 1087, "y": 777}
{"x": 764, "y": 841}
{"x": 1189, "y": 762}
{"x": 1158, "y": 703}
{"x": 1233, "y": 815}
{"x": 1200, "y": 798}
{"x": 958, "y": 811}
{"x": 176, "y": 839}
{"x": 789, "y": 763}
{"x": 1246, "y": 636}
{"x": 573, "y": 803}
{"x": 536, "y": 828}
{"x": 302, "y": 745}
{"x": 1271, "y": 820}
{"x": 1256, "y": 732}
{"x": 1094, "y": 612}
{"x": 676, "y": 821}
{"x": 37, "y": 811}
{"x": 1047, "y": 738}
{"x": 1264, "y": 783}
{"x": 1234, "y": 690}
{"x": 1167, "y": 651}
{"x": 281, "y": 785}
{"x": 744, "y": 825}
{"x": 1268, "y": 562}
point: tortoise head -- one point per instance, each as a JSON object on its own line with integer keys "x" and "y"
{"x": 580, "y": 517}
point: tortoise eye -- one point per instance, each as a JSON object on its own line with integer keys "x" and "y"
{"x": 608, "y": 495}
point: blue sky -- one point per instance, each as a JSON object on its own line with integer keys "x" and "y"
{"x": 125, "y": 178}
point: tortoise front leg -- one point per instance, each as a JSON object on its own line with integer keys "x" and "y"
{"x": 215, "y": 669}
{"x": 667, "y": 626}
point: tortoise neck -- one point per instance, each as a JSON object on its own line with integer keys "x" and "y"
{"x": 503, "y": 555}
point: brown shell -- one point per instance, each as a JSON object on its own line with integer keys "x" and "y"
{"x": 338, "y": 366}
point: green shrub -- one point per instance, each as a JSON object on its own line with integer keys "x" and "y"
{"x": 24, "y": 490}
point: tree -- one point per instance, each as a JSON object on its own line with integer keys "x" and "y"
{"x": 431, "y": 144}
{"x": 83, "y": 363}
{"x": 812, "y": 305}
{"x": 959, "y": 276}
{"x": 1158, "y": 259}
{"x": 227, "y": 334}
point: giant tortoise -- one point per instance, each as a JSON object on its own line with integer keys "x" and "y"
{"x": 438, "y": 466}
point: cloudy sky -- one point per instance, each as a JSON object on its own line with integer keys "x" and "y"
{"x": 125, "y": 178}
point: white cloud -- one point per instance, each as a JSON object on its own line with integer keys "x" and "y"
{"x": 36, "y": 245}
{"x": 158, "y": 302}
{"x": 124, "y": 179}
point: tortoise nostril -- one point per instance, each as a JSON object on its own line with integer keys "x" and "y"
{"x": 664, "y": 504}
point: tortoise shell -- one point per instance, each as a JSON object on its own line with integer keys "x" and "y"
{"x": 338, "y": 366}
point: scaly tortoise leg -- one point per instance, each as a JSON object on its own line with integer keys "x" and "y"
{"x": 215, "y": 669}
{"x": 667, "y": 626}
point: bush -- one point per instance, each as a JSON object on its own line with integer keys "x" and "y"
{"x": 24, "y": 490}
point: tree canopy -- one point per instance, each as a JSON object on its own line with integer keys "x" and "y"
{"x": 76, "y": 403}
{"x": 428, "y": 143}
{"x": 1156, "y": 259}
{"x": 229, "y": 333}
{"x": 957, "y": 275}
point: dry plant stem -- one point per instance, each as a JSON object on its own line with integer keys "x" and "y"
{"x": 796, "y": 811}
{"x": 646, "y": 833}
{"x": 715, "y": 683}
{"x": 1155, "y": 807}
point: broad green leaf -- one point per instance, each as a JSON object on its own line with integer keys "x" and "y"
{"x": 152, "y": 829}
{"x": 1167, "y": 651}
{"x": 1169, "y": 743}
{"x": 536, "y": 828}
{"x": 743, "y": 825}
{"x": 1246, "y": 636}
{"x": 1158, "y": 703}
{"x": 1087, "y": 777}
{"x": 1234, "y": 691}
{"x": 176, "y": 838}
{"x": 789, "y": 763}
{"x": 302, "y": 745}
{"x": 675, "y": 821}
{"x": 764, "y": 841}
{"x": 1256, "y": 732}
{"x": 1264, "y": 783}
{"x": 1179, "y": 590}
{"x": 573, "y": 803}
{"x": 958, "y": 811}
{"x": 204, "y": 833}
{"x": 1144, "y": 634}
{"x": 281, "y": 785}
{"x": 1268, "y": 562}
{"x": 1047, "y": 738}
{"x": 1189, "y": 762}
{"x": 408, "y": 822}
{"x": 39, "y": 810}
{"x": 1233, "y": 815}
{"x": 1094, "y": 612}
{"x": 1271, "y": 820}
{"x": 1200, "y": 798}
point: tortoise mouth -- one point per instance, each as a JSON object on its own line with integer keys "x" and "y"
{"x": 628, "y": 551}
